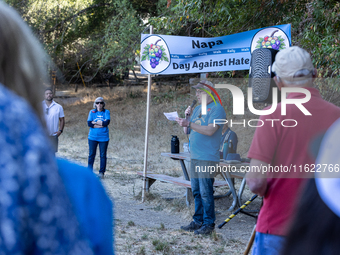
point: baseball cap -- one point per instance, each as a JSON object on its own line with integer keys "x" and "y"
{"x": 201, "y": 85}
{"x": 293, "y": 61}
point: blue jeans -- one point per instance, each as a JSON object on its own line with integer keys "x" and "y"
{"x": 202, "y": 190}
{"x": 92, "y": 154}
{"x": 267, "y": 244}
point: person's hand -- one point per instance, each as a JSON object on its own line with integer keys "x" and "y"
{"x": 183, "y": 122}
{"x": 58, "y": 133}
{"x": 188, "y": 111}
{"x": 99, "y": 122}
{"x": 97, "y": 126}
{"x": 93, "y": 122}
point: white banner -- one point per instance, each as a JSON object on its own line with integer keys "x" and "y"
{"x": 166, "y": 54}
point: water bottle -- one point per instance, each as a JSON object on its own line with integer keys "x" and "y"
{"x": 174, "y": 144}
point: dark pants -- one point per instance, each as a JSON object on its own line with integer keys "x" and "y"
{"x": 54, "y": 140}
{"x": 92, "y": 154}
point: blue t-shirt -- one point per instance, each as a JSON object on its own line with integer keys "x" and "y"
{"x": 99, "y": 134}
{"x": 204, "y": 147}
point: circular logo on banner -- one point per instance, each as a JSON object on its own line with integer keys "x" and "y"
{"x": 155, "y": 55}
{"x": 270, "y": 38}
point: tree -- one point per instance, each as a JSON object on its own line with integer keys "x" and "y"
{"x": 103, "y": 36}
{"x": 315, "y": 24}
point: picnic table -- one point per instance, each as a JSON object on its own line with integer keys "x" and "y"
{"x": 227, "y": 176}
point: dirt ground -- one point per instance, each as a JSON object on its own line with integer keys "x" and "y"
{"x": 152, "y": 227}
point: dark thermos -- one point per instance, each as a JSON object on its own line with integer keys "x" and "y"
{"x": 174, "y": 144}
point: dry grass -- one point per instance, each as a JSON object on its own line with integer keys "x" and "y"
{"x": 158, "y": 241}
{"x": 125, "y": 158}
{"x": 127, "y": 129}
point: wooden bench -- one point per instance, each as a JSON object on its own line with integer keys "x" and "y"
{"x": 229, "y": 172}
{"x": 152, "y": 177}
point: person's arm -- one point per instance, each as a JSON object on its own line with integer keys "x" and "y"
{"x": 105, "y": 123}
{"x": 90, "y": 123}
{"x": 255, "y": 178}
{"x": 61, "y": 126}
{"x": 102, "y": 123}
{"x": 204, "y": 130}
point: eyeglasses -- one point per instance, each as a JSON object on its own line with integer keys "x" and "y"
{"x": 99, "y": 102}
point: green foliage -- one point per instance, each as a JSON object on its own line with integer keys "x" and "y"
{"x": 134, "y": 94}
{"x": 161, "y": 246}
{"x": 141, "y": 251}
{"x": 131, "y": 223}
{"x": 321, "y": 35}
{"x": 315, "y": 23}
{"x": 164, "y": 97}
{"x": 104, "y": 35}
{"x": 100, "y": 35}
{"x": 145, "y": 7}
{"x": 119, "y": 40}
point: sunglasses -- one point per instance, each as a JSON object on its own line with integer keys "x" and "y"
{"x": 99, "y": 102}
{"x": 47, "y": 110}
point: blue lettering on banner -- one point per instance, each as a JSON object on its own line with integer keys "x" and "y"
{"x": 210, "y": 53}
{"x": 197, "y": 44}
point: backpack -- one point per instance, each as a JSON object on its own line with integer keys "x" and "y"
{"x": 224, "y": 145}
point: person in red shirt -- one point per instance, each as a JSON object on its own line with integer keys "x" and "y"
{"x": 279, "y": 150}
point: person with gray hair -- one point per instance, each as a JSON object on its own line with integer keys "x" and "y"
{"x": 98, "y": 121}
{"x": 36, "y": 216}
{"x": 279, "y": 151}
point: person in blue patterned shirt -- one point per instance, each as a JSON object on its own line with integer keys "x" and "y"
{"x": 36, "y": 215}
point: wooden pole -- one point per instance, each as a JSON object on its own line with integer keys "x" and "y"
{"x": 146, "y": 134}
{"x": 251, "y": 241}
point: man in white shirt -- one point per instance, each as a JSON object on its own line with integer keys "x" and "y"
{"x": 54, "y": 117}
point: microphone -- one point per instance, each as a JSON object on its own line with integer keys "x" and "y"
{"x": 194, "y": 102}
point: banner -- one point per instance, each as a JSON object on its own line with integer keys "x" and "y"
{"x": 166, "y": 54}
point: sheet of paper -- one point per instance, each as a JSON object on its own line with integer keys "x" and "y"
{"x": 171, "y": 115}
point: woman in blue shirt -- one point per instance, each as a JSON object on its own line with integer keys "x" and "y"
{"x": 98, "y": 121}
